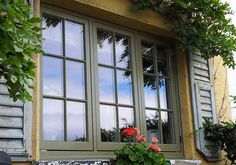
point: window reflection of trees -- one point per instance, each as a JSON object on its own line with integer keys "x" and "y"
{"x": 114, "y": 134}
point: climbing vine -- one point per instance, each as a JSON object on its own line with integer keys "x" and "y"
{"x": 20, "y": 40}
{"x": 200, "y": 25}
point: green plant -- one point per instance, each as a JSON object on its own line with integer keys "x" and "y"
{"x": 20, "y": 40}
{"x": 200, "y": 25}
{"x": 222, "y": 137}
{"x": 137, "y": 152}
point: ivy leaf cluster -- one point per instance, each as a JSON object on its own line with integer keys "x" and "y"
{"x": 222, "y": 137}
{"x": 20, "y": 40}
{"x": 200, "y": 25}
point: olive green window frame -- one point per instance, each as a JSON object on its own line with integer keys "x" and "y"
{"x": 95, "y": 26}
{"x": 94, "y": 144}
{"x": 66, "y": 145}
{"x": 173, "y": 95}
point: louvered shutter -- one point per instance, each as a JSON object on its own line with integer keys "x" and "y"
{"x": 15, "y": 126}
{"x": 203, "y": 100}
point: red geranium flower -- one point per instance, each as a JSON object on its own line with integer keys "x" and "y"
{"x": 154, "y": 140}
{"x": 129, "y": 131}
{"x": 140, "y": 138}
{"x": 154, "y": 147}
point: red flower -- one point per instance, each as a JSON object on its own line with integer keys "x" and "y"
{"x": 140, "y": 138}
{"x": 154, "y": 147}
{"x": 154, "y": 140}
{"x": 137, "y": 130}
{"x": 129, "y": 131}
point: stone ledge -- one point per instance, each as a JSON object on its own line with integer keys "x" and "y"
{"x": 185, "y": 162}
{"x": 73, "y": 162}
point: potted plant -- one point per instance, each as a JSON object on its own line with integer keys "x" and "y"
{"x": 137, "y": 152}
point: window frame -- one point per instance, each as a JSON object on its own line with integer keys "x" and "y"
{"x": 95, "y": 146}
{"x": 113, "y": 145}
{"x": 174, "y": 97}
{"x": 58, "y": 145}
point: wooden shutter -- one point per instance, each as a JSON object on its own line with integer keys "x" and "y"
{"x": 15, "y": 126}
{"x": 203, "y": 101}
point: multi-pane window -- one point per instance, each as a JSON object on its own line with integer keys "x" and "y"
{"x": 64, "y": 81}
{"x": 98, "y": 80}
{"x": 157, "y": 93}
{"x": 116, "y": 103}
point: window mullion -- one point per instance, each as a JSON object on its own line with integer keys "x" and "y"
{"x": 64, "y": 80}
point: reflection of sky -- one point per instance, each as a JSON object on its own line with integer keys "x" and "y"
{"x": 125, "y": 116}
{"x": 53, "y": 120}
{"x": 107, "y": 117}
{"x": 162, "y": 92}
{"x": 76, "y": 120}
{"x": 52, "y": 39}
{"x": 124, "y": 88}
{"x": 150, "y": 95}
{"x": 74, "y": 40}
{"x": 75, "y": 80}
{"x": 106, "y": 84}
{"x": 105, "y": 52}
{"x": 52, "y": 76}
{"x": 120, "y": 50}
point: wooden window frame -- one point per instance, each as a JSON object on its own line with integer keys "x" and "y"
{"x": 65, "y": 145}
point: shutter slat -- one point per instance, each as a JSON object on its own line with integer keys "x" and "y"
{"x": 11, "y": 122}
{"x": 11, "y": 144}
{"x": 3, "y": 89}
{"x": 5, "y": 100}
{"x": 11, "y": 133}
{"x": 11, "y": 111}
{"x": 201, "y": 72}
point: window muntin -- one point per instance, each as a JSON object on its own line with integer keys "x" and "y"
{"x": 64, "y": 81}
{"x": 157, "y": 93}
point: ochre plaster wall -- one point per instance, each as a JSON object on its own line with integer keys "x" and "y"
{"x": 122, "y": 13}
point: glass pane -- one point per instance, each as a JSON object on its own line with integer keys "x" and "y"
{"x": 105, "y": 47}
{"x": 75, "y": 82}
{"x": 124, "y": 83}
{"x": 53, "y": 120}
{"x": 122, "y": 51}
{"x": 74, "y": 40}
{"x": 52, "y": 35}
{"x": 52, "y": 76}
{"x": 150, "y": 91}
{"x": 106, "y": 85}
{"x": 76, "y": 121}
{"x": 167, "y": 127}
{"x": 126, "y": 117}
{"x": 152, "y": 122}
{"x": 148, "y": 55}
{"x": 108, "y": 123}
{"x": 163, "y": 93}
{"x": 163, "y": 65}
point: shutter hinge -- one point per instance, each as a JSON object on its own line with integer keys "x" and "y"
{"x": 180, "y": 139}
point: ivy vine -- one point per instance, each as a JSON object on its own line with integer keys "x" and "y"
{"x": 200, "y": 25}
{"x": 20, "y": 40}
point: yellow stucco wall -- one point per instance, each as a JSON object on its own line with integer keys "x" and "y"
{"x": 122, "y": 13}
